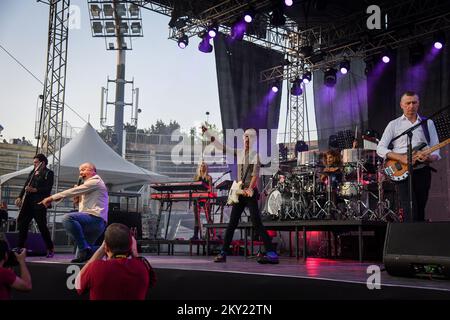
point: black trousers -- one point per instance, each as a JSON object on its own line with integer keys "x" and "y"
{"x": 255, "y": 216}
{"x": 421, "y": 188}
{"x": 29, "y": 212}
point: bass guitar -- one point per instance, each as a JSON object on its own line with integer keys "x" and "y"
{"x": 398, "y": 171}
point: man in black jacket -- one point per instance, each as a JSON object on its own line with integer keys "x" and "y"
{"x": 37, "y": 187}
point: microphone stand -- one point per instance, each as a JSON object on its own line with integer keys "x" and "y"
{"x": 409, "y": 133}
{"x": 223, "y": 174}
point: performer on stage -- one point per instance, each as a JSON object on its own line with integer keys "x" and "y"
{"x": 333, "y": 164}
{"x": 38, "y": 186}
{"x": 248, "y": 172}
{"x": 201, "y": 175}
{"x": 409, "y": 102}
{"x": 85, "y": 226}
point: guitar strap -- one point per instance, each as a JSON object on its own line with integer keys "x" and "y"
{"x": 424, "y": 125}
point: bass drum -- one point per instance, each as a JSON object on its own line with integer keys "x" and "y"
{"x": 276, "y": 201}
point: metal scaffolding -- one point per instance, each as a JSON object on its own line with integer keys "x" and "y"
{"x": 52, "y": 110}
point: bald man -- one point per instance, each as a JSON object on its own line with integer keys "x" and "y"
{"x": 85, "y": 226}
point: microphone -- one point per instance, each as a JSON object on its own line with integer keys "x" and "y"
{"x": 80, "y": 181}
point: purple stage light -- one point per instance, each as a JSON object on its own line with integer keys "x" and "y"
{"x": 248, "y": 18}
{"x": 386, "y": 59}
{"x": 344, "y": 70}
{"x": 205, "y": 46}
{"x": 212, "y": 32}
{"x": 183, "y": 41}
{"x": 238, "y": 30}
{"x": 438, "y": 45}
{"x": 274, "y": 89}
{"x": 307, "y": 77}
{"x": 288, "y": 2}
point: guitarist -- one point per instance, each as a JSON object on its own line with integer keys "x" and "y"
{"x": 426, "y": 133}
{"x": 37, "y": 187}
{"x": 248, "y": 173}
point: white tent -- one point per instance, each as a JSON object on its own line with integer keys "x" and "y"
{"x": 88, "y": 146}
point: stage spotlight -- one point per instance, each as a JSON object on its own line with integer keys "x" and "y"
{"x": 439, "y": 40}
{"x": 306, "y": 77}
{"x": 249, "y": 15}
{"x": 386, "y": 55}
{"x": 344, "y": 66}
{"x": 296, "y": 89}
{"x": 212, "y": 32}
{"x": 204, "y": 45}
{"x": 274, "y": 87}
{"x": 329, "y": 77}
{"x": 288, "y": 3}
{"x": 183, "y": 41}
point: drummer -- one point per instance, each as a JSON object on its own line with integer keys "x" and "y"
{"x": 333, "y": 166}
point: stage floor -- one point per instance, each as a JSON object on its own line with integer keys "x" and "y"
{"x": 317, "y": 276}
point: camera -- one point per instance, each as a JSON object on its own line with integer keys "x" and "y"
{"x": 12, "y": 259}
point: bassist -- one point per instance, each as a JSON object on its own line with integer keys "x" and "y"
{"x": 426, "y": 133}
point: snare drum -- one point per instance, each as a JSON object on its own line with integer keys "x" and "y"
{"x": 348, "y": 190}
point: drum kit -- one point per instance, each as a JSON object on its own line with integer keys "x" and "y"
{"x": 312, "y": 191}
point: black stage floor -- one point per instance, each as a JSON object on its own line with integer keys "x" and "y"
{"x": 183, "y": 277}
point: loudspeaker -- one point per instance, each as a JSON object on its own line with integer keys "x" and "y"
{"x": 130, "y": 219}
{"x": 35, "y": 244}
{"x": 417, "y": 249}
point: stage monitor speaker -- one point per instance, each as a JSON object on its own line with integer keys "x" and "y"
{"x": 418, "y": 249}
{"x": 35, "y": 244}
{"x": 130, "y": 219}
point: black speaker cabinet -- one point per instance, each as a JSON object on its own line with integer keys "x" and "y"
{"x": 418, "y": 249}
{"x": 130, "y": 219}
{"x": 35, "y": 244}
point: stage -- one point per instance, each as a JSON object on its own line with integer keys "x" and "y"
{"x": 182, "y": 277}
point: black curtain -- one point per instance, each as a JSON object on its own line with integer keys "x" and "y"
{"x": 244, "y": 100}
{"x": 430, "y": 78}
{"x": 342, "y": 107}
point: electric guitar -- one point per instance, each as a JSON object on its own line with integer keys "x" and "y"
{"x": 398, "y": 171}
{"x": 236, "y": 190}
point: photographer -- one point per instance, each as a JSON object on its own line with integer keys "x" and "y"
{"x": 8, "y": 279}
{"x": 115, "y": 271}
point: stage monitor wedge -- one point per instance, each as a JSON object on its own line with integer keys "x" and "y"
{"x": 418, "y": 249}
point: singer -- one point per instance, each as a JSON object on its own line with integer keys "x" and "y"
{"x": 38, "y": 186}
{"x": 85, "y": 226}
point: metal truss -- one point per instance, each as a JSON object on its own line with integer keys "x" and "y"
{"x": 52, "y": 111}
{"x": 329, "y": 43}
{"x": 350, "y": 38}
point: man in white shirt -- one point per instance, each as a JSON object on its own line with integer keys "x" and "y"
{"x": 426, "y": 133}
{"x": 85, "y": 226}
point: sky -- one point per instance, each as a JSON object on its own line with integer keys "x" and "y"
{"x": 174, "y": 84}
